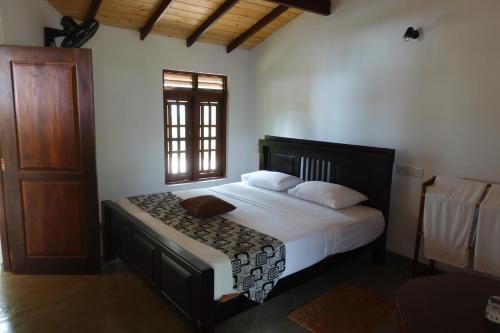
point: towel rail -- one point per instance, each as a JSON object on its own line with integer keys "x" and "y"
{"x": 418, "y": 238}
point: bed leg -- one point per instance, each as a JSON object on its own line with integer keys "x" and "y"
{"x": 206, "y": 323}
{"x": 108, "y": 253}
{"x": 203, "y": 318}
{"x": 204, "y": 329}
{"x": 379, "y": 251}
{"x": 378, "y": 255}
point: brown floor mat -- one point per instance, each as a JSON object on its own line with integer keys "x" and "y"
{"x": 344, "y": 309}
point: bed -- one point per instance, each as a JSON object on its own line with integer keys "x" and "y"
{"x": 195, "y": 278}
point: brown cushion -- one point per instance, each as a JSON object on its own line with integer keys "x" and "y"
{"x": 206, "y": 206}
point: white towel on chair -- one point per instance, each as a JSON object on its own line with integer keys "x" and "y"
{"x": 487, "y": 250}
{"x": 448, "y": 219}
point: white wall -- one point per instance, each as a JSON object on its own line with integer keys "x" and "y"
{"x": 128, "y": 97}
{"x": 351, "y": 78}
{"x": 23, "y": 21}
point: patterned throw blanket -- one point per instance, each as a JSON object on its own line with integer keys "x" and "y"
{"x": 257, "y": 260}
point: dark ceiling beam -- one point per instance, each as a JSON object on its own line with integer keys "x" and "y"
{"x": 323, "y": 7}
{"x": 158, "y": 13}
{"x": 93, "y": 8}
{"x": 275, "y": 13}
{"x": 224, "y": 8}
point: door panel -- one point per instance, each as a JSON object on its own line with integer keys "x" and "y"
{"x": 52, "y": 219}
{"x": 47, "y": 142}
{"x": 46, "y": 115}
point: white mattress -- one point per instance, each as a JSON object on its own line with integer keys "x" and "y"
{"x": 310, "y": 232}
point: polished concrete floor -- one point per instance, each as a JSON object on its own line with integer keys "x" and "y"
{"x": 119, "y": 301}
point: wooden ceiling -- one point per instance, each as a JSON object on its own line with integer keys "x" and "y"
{"x": 233, "y": 23}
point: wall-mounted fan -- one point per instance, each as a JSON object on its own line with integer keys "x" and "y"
{"x": 75, "y": 35}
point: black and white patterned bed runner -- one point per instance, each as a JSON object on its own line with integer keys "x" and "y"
{"x": 257, "y": 260}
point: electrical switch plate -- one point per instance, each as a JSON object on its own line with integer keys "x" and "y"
{"x": 410, "y": 171}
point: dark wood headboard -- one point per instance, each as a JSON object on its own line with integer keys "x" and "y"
{"x": 365, "y": 169}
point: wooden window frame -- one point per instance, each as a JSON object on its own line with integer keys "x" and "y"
{"x": 195, "y": 97}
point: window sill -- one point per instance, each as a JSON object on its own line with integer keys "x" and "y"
{"x": 192, "y": 182}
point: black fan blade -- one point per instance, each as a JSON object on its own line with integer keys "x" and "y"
{"x": 69, "y": 25}
{"x": 81, "y": 34}
{"x": 50, "y": 35}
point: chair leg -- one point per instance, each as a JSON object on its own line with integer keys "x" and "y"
{"x": 402, "y": 328}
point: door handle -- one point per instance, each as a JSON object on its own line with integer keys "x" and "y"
{"x": 2, "y": 162}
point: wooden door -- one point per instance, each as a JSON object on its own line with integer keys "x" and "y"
{"x": 47, "y": 145}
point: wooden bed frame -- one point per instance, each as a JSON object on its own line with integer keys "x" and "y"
{"x": 187, "y": 283}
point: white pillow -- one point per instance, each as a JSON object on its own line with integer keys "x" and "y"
{"x": 331, "y": 195}
{"x": 271, "y": 180}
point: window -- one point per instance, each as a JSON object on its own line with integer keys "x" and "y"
{"x": 195, "y": 126}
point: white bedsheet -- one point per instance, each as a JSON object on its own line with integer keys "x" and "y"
{"x": 310, "y": 232}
